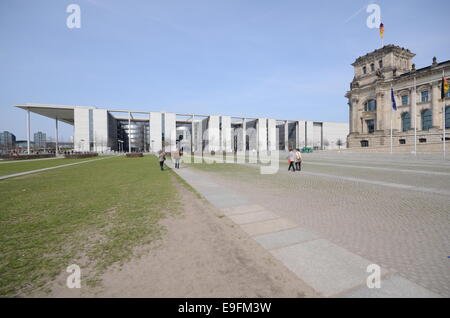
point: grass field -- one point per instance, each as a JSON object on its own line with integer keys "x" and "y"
{"x": 94, "y": 215}
{"x": 11, "y": 167}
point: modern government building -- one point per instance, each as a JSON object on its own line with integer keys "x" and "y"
{"x": 101, "y": 130}
{"x": 417, "y": 93}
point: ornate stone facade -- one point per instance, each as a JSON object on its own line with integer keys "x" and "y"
{"x": 370, "y": 105}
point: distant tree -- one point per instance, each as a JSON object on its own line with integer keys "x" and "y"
{"x": 326, "y": 143}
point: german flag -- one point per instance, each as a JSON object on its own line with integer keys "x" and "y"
{"x": 382, "y": 30}
{"x": 444, "y": 87}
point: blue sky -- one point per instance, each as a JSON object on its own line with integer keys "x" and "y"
{"x": 282, "y": 59}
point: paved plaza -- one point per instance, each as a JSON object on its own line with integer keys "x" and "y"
{"x": 341, "y": 213}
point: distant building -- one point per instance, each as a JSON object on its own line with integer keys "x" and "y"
{"x": 7, "y": 141}
{"x": 21, "y": 145}
{"x": 62, "y": 145}
{"x": 40, "y": 140}
{"x": 369, "y": 99}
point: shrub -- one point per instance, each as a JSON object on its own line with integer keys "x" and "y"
{"x": 27, "y": 157}
{"x": 134, "y": 154}
{"x": 80, "y": 155}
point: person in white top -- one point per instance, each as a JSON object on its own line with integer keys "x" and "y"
{"x": 291, "y": 160}
{"x": 298, "y": 160}
{"x": 176, "y": 156}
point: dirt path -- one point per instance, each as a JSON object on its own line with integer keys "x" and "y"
{"x": 203, "y": 254}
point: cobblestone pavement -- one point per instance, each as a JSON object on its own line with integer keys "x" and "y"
{"x": 343, "y": 199}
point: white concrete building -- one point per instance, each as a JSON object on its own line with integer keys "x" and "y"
{"x": 101, "y": 130}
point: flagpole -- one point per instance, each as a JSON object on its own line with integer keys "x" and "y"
{"x": 415, "y": 118}
{"x": 443, "y": 113}
{"x": 391, "y": 121}
{"x": 382, "y": 34}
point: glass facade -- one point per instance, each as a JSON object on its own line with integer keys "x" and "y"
{"x": 405, "y": 100}
{"x": 137, "y": 131}
{"x": 424, "y": 96}
{"x": 370, "y": 105}
{"x": 427, "y": 121}
{"x": 370, "y": 126}
{"x": 7, "y": 141}
{"x": 406, "y": 121}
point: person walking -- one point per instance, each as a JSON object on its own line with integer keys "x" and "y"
{"x": 291, "y": 160}
{"x": 176, "y": 156}
{"x": 162, "y": 158}
{"x": 298, "y": 160}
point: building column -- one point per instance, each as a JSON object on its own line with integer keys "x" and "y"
{"x": 379, "y": 122}
{"x": 170, "y": 132}
{"x": 350, "y": 116}
{"x": 244, "y": 135}
{"x": 226, "y": 133}
{"x": 150, "y": 147}
{"x": 129, "y": 131}
{"x": 301, "y": 134}
{"x": 257, "y": 135}
{"x": 155, "y": 132}
{"x": 286, "y": 136}
{"x": 413, "y": 107}
{"x": 309, "y": 134}
{"x": 28, "y": 131}
{"x": 213, "y": 133}
{"x": 355, "y": 116}
{"x": 56, "y": 135}
{"x": 436, "y": 106}
{"x": 272, "y": 134}
{"x": 193, "y": 149}
{"x": 262, "y": 134}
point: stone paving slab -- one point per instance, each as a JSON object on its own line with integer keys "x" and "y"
{"x": 226, "y": 202}
{"x": 253, "y": 217}
{"x": 241, "y": 209}
{"x": 393, "y": 287}
{"x": 285, "y": 238}
{"x": 204, "y": 191}
{"x": 269, "y": 226}
{"x": 221, "y": 195}
{"x": 204, "y": 184}
{"x": 326, "y": 267}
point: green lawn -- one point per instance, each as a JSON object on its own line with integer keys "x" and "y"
{"x": 11, "y": 167}
{"x": 93, "y": 215}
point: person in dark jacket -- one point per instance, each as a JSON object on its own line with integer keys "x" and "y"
{"x": 162, "y": 158}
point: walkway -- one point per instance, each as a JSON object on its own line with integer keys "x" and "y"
{"x": 329, "y": 269}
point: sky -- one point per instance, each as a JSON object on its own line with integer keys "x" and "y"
{"x": 285, "y": 59}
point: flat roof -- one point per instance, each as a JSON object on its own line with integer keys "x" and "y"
{"x": 65, "y": 113}
{"x": 61, "y": 112}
